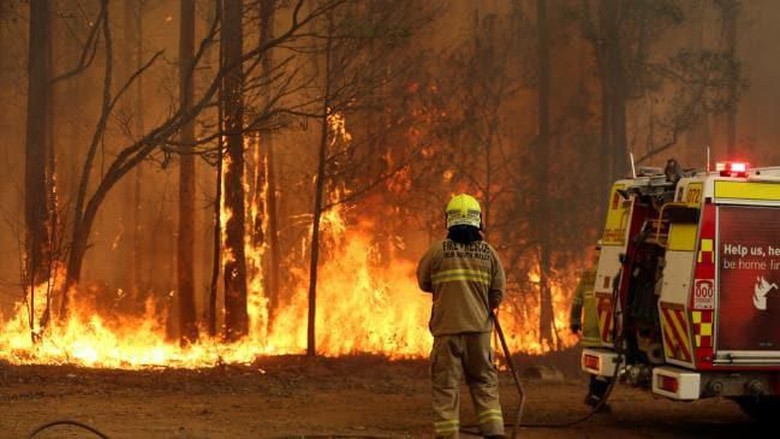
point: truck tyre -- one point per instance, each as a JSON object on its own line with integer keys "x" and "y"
{"x": 760, "y": 408}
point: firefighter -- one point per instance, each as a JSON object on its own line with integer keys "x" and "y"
{"x": 586, "y": 325}
{"x": 673, "y": 171}
{"x": 466, "y": 278}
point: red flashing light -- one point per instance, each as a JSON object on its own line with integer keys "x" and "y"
{"x": 667, "y": 383}
{"x": 739, "y": 167}
{"x": 732, "y": 169}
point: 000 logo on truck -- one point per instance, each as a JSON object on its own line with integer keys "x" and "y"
{"x": 703, "y": 294}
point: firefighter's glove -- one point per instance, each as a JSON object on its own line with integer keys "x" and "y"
{"x": 575, "y": 328}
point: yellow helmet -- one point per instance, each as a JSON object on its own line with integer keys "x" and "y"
{"x": 464, "y": 209}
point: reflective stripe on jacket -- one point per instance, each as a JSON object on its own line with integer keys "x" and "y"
{"x": 583, "y": 309}
{"x": 466, "y": 281}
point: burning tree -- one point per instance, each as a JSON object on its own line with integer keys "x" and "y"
{"x": 39, "y": 173}
{"x": 90, "y": 197}
{"x": 357, "y": 76}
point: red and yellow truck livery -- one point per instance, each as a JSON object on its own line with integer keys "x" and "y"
{"x": 688, "y": 286}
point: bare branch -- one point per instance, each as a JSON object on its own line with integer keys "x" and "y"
{"x": 374, "y": 183}
{"x": 90, "y": 46}
{"x": 102, "y": 122}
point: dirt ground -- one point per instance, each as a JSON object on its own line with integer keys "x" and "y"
{"x": 355, "y": 397}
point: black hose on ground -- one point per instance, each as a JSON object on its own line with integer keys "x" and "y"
{"x": 617, "y": 338}
{"x": 67, "y": 422}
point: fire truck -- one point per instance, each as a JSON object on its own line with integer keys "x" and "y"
{"x": 688, "y": 285}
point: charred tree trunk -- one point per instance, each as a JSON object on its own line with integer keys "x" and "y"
{"x": 38, "y": 149}
{"x": 546, "y": 322}
{"x": 236, "y": 318}
{"x": 274, "y": 259}
{"x": 272, "y": 272}
{"x": 311, "y": 345}
{"x": 188, "y": 329}
{"x": 214, "y": 11}
{"x": 211, "y": 318}
{"x": 319, "y": 193}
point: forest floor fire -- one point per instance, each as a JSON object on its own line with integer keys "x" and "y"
{"x": 346, "y": 397}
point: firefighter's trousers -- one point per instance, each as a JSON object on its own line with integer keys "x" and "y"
{"x": 452, "y": 358}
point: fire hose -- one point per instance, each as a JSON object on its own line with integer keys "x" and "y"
{"x": 617, "y": 336}
{"x": 517, "y": 424}
{"x": 515, "y": 375}
{"x": 67, "y": 422}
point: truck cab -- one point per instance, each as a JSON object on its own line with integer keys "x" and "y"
{"x": 688, "y": 282}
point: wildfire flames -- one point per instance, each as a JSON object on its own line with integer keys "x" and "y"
{"x": 362, "y": 308}
{"x": 364, "y": 305}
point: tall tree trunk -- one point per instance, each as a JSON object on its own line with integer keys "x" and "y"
{"x": 128, "y": 270}
{"x": 272, "y": 271}
{"x": 211, "y": 318}
{"x": 215, "y": 10}
{"x": 610, "y": 14}
{"x": 546, "y": 322}
{"x": 38, "y": 146}
{"x": 730, "y": 14}
{"x": 605, "y": 147}
{"x": 311, "y": 345}
{"x": 188, "y": 329}
{"x": 605, "y": 131}
{"x": 133, "y": 54}
{"x": 236, "y": 318}
{"x": 137, "y": 220}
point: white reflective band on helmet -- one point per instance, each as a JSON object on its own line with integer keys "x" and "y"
{"x": 458, "y": 218}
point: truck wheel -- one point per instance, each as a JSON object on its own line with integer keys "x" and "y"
{"x": 760, "y": 408}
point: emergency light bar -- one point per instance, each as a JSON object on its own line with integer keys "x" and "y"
{"x": 732, "y": 169}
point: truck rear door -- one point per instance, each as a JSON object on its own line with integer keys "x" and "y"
{"x": 747, "y": 243}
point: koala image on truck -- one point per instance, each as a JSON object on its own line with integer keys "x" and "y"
{"x": 687, "y": 286}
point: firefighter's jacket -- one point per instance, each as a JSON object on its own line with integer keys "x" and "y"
{"x": 467, "y": 280}
{"x": 583, "y": 308}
